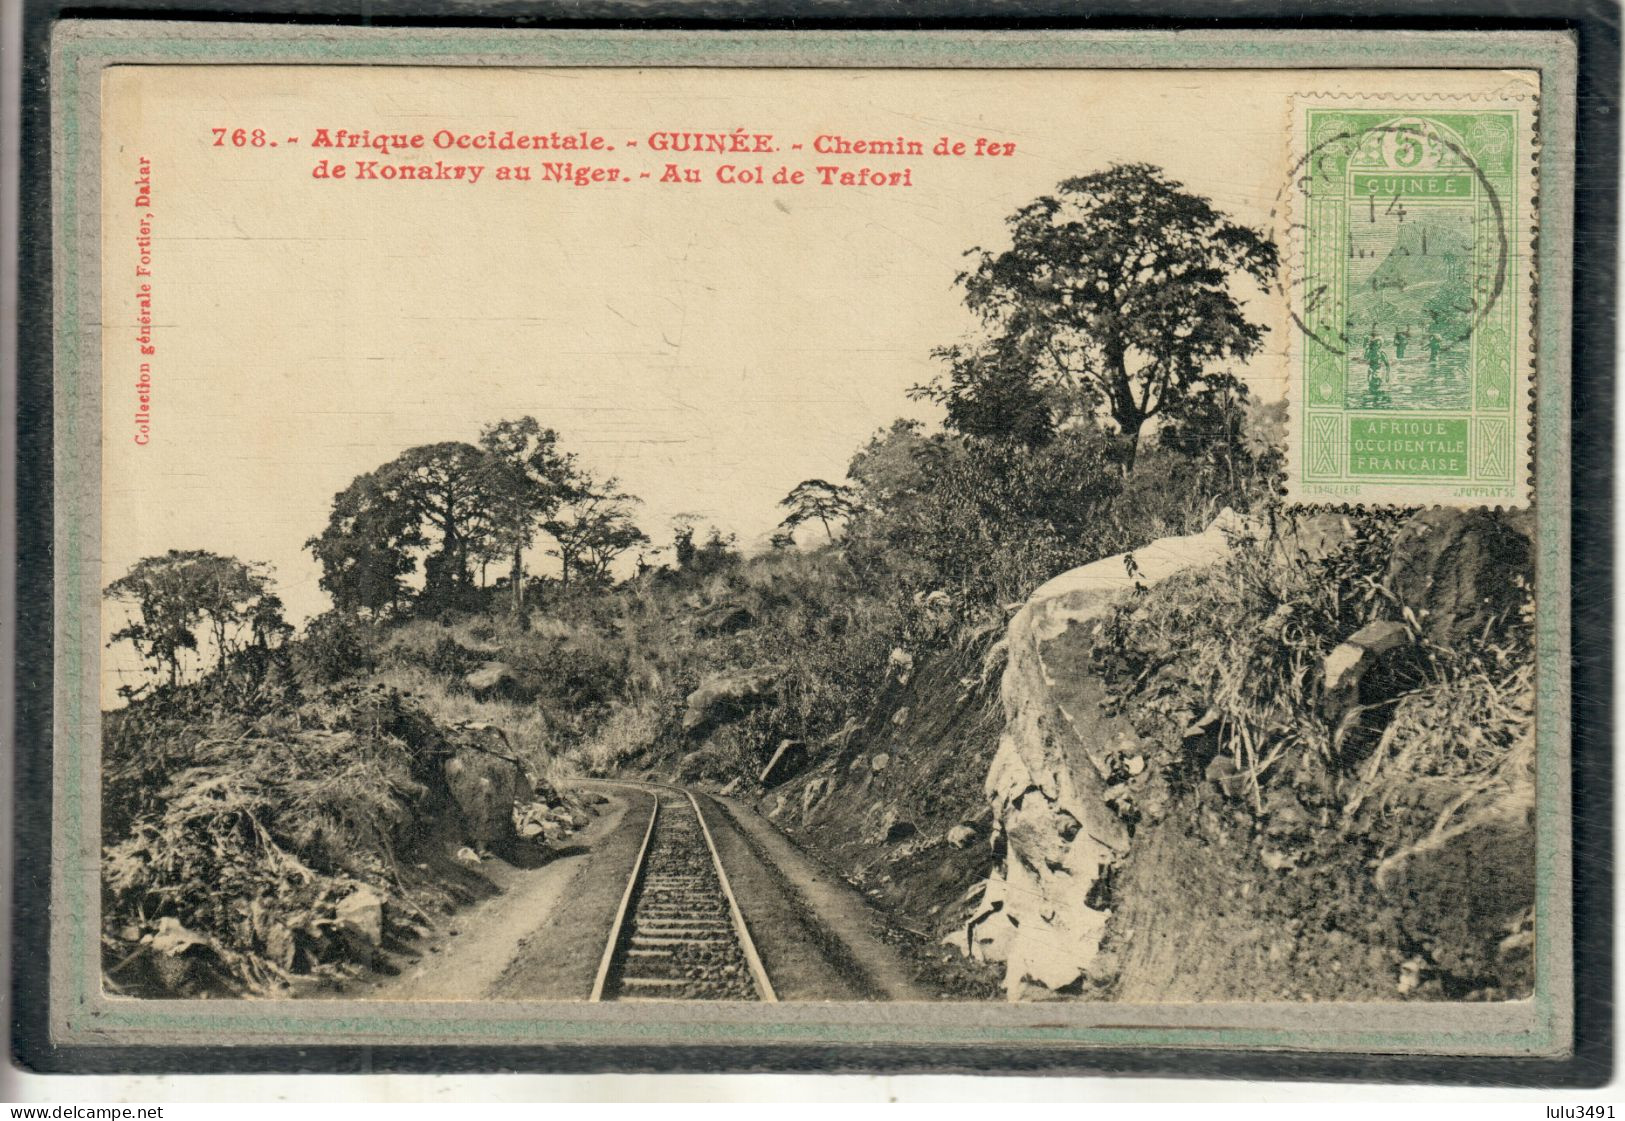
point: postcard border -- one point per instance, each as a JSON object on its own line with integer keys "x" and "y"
{"x": 82, "y": 51}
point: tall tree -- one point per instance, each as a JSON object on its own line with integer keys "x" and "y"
{"x": 533, "y": 479}
{"x": 442, "y": 501}
{"x": 368, "y": 547}
{"x": 185, "y": 593}
{"x": 820, "y": 501}
{"x": 450, "y": 486}
{"x": 593, "y": 529}
{"x": 1113, "y": 301}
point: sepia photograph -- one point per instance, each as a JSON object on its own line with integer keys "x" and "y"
{"x": 1000, "y": 542}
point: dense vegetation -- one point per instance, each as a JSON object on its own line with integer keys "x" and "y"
{"x": 1365, "y": 845}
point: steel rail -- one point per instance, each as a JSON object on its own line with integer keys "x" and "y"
{"x": 747, "y": 945}
{"x": 764, "y": 987}
{"x": 608, "y": 960}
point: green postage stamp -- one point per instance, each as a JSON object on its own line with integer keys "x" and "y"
{"x": 1411, "y": 286}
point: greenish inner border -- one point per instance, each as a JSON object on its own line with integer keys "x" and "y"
{"x": 818, "y": 49}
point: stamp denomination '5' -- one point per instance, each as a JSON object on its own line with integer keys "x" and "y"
{"x": 1411, "y": 297}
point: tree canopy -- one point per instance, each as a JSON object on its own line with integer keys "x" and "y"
{"x": 185, "y": 594}
{"x": 820, "y": 501}
{"x": 594, "y": 529}
{"x": 456, "y": 506}
{"x": 1112, "y": 303}
{"x": 367, "y": 549}
{"x": 531, "y": 478}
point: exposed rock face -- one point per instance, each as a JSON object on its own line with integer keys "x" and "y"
{"x": 485, "y": 782}
{"x": 1455, "y": 569}
{"x": 844, "y": 807}
{"x": 1097, "y": 887}
{"x": 729, "y": 696}
{"x": 1044, "y": 911}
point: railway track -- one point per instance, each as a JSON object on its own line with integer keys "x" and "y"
{"x": 679, "y": 933}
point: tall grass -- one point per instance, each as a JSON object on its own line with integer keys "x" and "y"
{"x": 1239, "y": 649}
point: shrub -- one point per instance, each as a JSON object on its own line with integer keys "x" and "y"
{"x": 451, "y": 659}
{"x": 1242, "y": 647}
{"x": 244, "y": 843}
{"x": 986, "y": 522}
{"x": 333, "y": 647}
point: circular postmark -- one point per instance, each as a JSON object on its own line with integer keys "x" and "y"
{"x": 1462, "y": 285}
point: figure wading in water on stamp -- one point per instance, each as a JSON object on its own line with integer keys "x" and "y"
{"x": 1376, "y": 365}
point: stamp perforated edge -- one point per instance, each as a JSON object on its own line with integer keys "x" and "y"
{"x": 1519, "y": 95}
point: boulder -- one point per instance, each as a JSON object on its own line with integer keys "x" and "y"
{"x": 494, "y": 681}
{"x": 1459, "y": 571}
{"x": 282, "y": 947}
{"x": 899, "y": 666}
{"x": 816, "y": 790}
{"x": 788, "y": 758}
{"x": 1375, "y": 646}
{"x": 962, "y": 836}
{"x": 173, "y": 938}
{"x": 724, "y": 618}
{"x": 566, "y": 817}
{"x": 900, "y": 831}
{"x": 1229, "y": 778}
{"x": 1286, "y": 827}
{"x": 837, "y": 741}
{"x": 879, "y": 822}
{"x": 695, "y": 765}
{"x": 551, "y": 823}
{"x": 360, "y": 917}
{"x": 484, "y": 786}
{"x": 729, "y": 696}
{"x": 185, "y": 963}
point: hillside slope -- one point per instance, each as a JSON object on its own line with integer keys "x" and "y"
{"x": 1242, "y": 768}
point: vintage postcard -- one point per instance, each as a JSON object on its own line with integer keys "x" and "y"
{"x": 1052, "y": 540}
